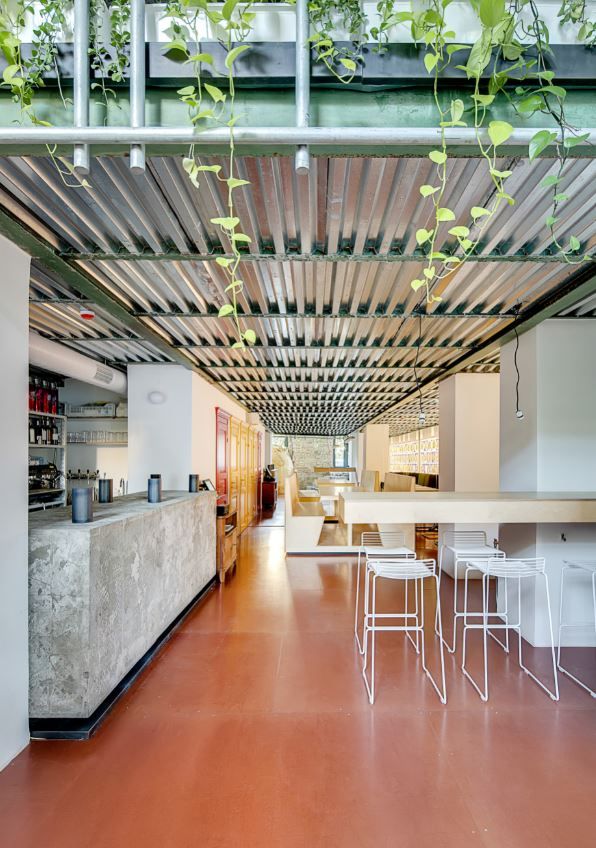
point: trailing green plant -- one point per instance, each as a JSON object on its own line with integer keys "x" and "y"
{"x": 234, "y": 21}
{"x": 329, "y": 15}
{"x": 575, "y": 12}
{"x": 109, "y": 36}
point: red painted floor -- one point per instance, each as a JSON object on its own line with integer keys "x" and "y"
{"x": 252, "y": 730}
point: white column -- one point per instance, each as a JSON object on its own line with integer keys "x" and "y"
{"x": 171, "y": 425}
{"x": 14, "y": 431}
{"x": 553, "y": 448}
{"x": 469, "y": 442}
{"x": 376, "y": 449}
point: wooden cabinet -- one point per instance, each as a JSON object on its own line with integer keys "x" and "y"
{"x": 239, "y": 462}
{"x": 227, "y": 544}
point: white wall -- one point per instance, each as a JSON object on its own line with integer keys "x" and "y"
{"x": 553, "y": 448}
{"x": 177, "y": 437}
{"x": 111, "y": 461}
{"x": 14, "y": 378}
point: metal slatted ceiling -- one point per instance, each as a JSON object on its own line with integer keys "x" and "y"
{"x": 334, "y": 350}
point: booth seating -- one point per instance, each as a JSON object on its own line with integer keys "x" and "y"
{"x": 304, "y": 521}
{"x": 369, "y": 482}
{"x": 399, "y": 482}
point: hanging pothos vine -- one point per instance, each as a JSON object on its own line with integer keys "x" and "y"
{"x": 508, "y": 63}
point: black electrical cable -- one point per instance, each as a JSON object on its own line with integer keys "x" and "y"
{"x": 518, "y": 412}
{"x": 421, "y": 416}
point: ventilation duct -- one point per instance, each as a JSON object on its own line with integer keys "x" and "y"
{"x": 62, "y": 360}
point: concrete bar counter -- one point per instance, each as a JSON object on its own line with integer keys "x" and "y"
{"x": 101, "y": 594}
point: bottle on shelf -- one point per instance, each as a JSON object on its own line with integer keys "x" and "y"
{"x": 32, "y": 437}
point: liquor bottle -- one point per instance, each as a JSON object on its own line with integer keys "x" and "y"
{"x": 38, "y": 431}
{"x": 54, "y": 398}
{"x": 31, "y": 395}
{"x": 32, "y": 431}
{"x": 38, "y": 396}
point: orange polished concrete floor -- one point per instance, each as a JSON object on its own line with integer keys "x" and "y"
{"x": 252, "y": 730}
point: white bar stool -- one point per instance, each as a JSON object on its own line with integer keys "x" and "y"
{"x": 506, "y": 569}
{"x": 399, "y": 569}
{"x": 380, "y": 544}
{"x": 588, "y": 567}
{"x": 465, "y": 545}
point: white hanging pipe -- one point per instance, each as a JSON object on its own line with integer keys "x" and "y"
{"x": 137, "y": 81}
{"x": 62, "y": 360}
{"x": 302, "y": 159}
{"x": 81, "y": 81}
{"x": 405, "y": 137}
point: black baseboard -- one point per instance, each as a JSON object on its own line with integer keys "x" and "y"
{"x": 84, "y": 728}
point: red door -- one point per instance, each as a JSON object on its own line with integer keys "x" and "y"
{"x": 259, "y": 472}
{"x": 222, "y": 437}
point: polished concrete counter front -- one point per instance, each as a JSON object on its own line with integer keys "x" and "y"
{"x": 101, "y": 594}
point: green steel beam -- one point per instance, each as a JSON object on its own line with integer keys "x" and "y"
{"x": 81, "y": 282}
{"x": 572, "y": 291}
{"x": 176, "y": 256}
{"x": 336, "y": 107}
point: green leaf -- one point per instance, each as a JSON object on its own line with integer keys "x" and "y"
{"x": 430, "y": 61}
{"x": 187, "y": 91}
{"x": 215, "y": 93}
{"x": 483, "y": 99}
{"x": 427, "y": 190}
{"x": 215, "y": 169}
{"x": 429, "y": 273}
{"x": 349, "y": 64}
{"x": 540, "y": 141}
{"x": 550, "y": 181}
{"x": 227, "y": 9}
{"x": 234, "y": 53}
{"x": 551, "y": 221}
{"x": 445, "y": 214}
{"x": 457, "y": 109}
{"x": 574, "y": 243}
{"x": 466, "y": 244}
{"x": 423, "y": 235}
{"x": 530, "y": 104}
{"x": 555, "y": 90}
{"x": 201, "y": 57}
{"x": 241, "y": 237}
{"x": 224, "y": 261}
{"x": 437, "y": 156}
{"x": 460, "y": 232}
{"x": 491, "y": 12}
{"x": 478, "y": 212}
{"x": 417, "y": 284}
{"x": 574, "y": 140}
{"x": 238, "y": 344}
{"x": 499, "y": 132}
{"x": 226, "y": 223}
{"x": 188, "y": 164}
{"x": 234, "y": 182}
{"x": 250, "y": 336}
{"x": 500, "y": 174}
{"x": 226, "y": 309}
{"x": 560, "y": 198}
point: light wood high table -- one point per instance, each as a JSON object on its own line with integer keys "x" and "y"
{"x": 466, "y": 508}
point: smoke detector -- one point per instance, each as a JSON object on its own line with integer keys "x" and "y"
{"x": 86, "y": 313}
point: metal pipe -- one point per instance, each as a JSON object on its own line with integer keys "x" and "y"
{"x": 302, "y": 158}
{"x": 137, "y": 82}
{"x": 64, "y": 360}
{"x": 81, "y": 81}
{"x": 407, "y": 138}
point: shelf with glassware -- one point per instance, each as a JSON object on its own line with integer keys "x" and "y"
{"x": 416, "y": 451}
{"x": 47, "y": 460}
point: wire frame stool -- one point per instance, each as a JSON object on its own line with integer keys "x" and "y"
{"x": 506, "y": 569}
{"x": 381, "y": 544}
{"x": 590, "y": 568}
{"x": 465, "y": 545}
{"x": 399, "y": 569}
